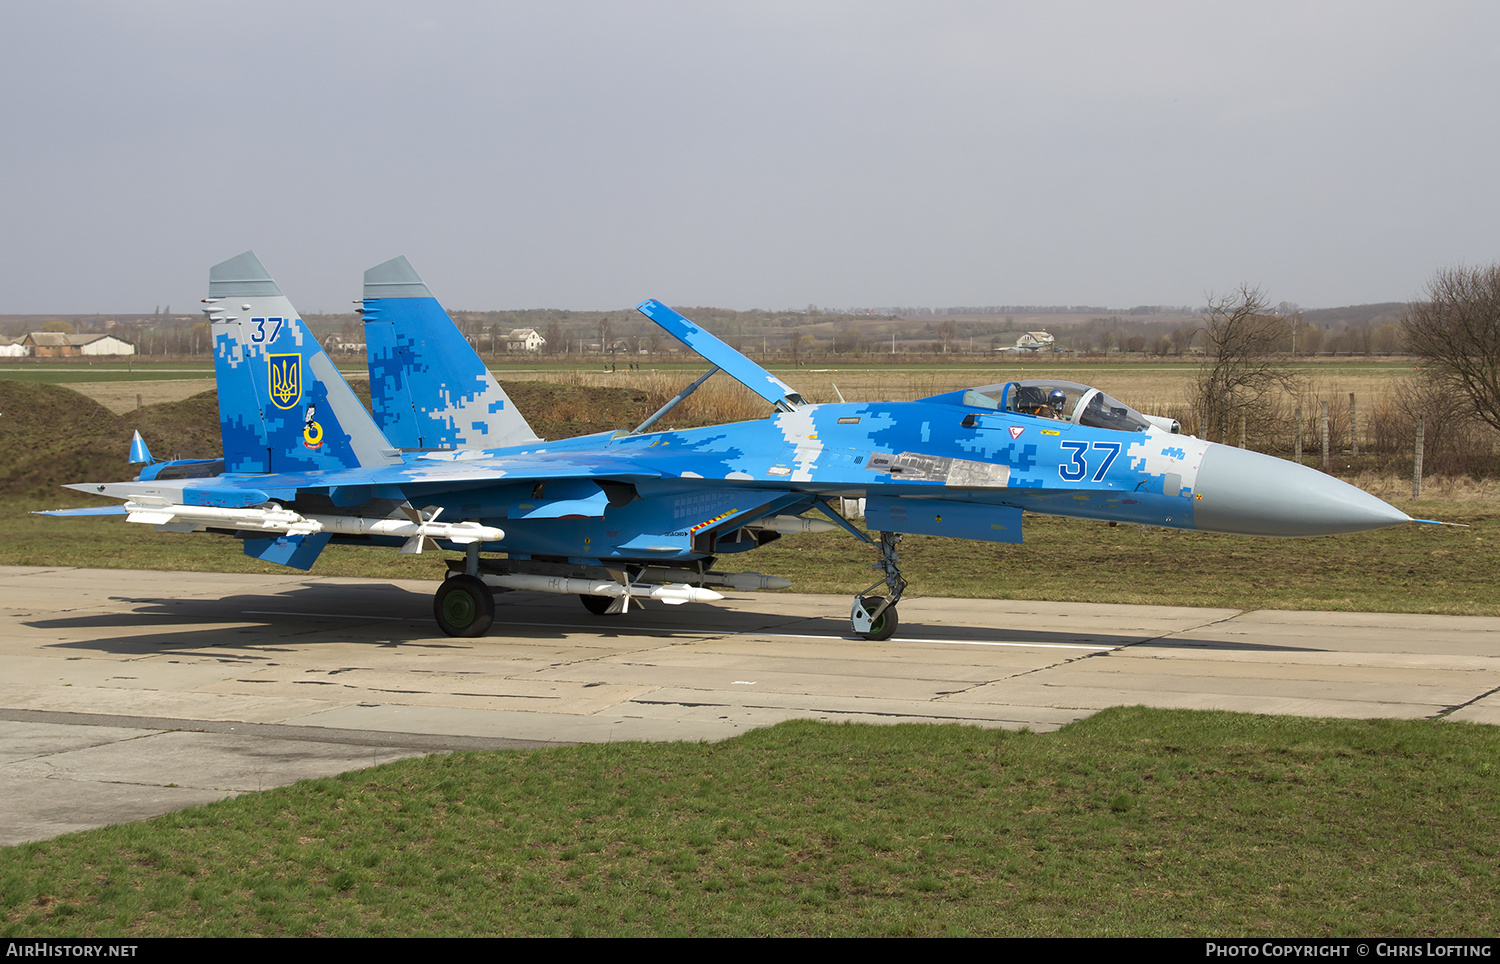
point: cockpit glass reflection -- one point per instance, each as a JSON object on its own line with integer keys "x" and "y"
{"x": 1073, "y": 403}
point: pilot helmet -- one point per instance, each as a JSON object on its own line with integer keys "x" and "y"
{"x": 1057, "y": 398}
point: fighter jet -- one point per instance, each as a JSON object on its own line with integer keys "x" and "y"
{"x": 637, "y": 515}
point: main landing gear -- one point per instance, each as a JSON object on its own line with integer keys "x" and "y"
{"x": 464, "y": 606}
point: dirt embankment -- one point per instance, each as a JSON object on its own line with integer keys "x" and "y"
{"x": 51, "y": 435}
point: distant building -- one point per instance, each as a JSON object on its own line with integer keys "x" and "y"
{"x": 55, "y": 344}
{"x": 1034, "y": 341}
{"x": 10, "y": 348}
{"x": 524, "y": 339}
{"x": 336, "y": 342}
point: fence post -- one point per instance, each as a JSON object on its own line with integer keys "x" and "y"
{"x": 1416, "y": 468}
{"x": 1297, "y": 435}
{"x": 1242, "y": 430}
{"x": 1353, "y": 427}
{"x": 1325, "y": 437}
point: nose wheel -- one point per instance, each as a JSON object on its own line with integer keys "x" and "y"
{"x": 873, "y": 617}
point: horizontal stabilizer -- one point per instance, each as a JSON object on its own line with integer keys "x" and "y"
{"x": 740, "y": 368}
{"x": 183, "y": 491}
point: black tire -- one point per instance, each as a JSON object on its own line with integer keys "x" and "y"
{"x": 884, "y": 626}
{"x": 598, "y": 605}
{"x": 464, "y": 606}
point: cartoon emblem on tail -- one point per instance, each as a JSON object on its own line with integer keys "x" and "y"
{"x": 286, "y": 380}
{"x": 312, "y": 432}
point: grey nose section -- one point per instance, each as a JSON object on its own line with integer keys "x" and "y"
{"x": 1250, "y": 494}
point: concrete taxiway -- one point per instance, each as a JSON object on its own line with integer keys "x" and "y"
{"x": 125, "y": 694}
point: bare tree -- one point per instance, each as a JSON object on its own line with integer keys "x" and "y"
{"x": 848, "y": 340}
{"x": 1457, "y": 331}
{"x": 800, "y": 343}
{"x": 948, "y": 332}
{"x": 1182, "y": 339}
{"x": 1241, "y": 374}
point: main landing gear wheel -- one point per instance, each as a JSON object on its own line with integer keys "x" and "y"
{"x": 864, "y": 624}
{"x": 598, "y": 605}
{"x": 464, "y": 606}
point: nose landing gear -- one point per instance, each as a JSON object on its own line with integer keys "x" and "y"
{"x": 874, "y": 617}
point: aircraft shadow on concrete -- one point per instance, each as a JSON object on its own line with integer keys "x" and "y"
{"x": 385, "y": 615}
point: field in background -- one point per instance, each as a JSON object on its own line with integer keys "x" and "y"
{"x": 1151, "y": 388}
{"x": 1384, "y": 432}
{"x": 869, "y": 378}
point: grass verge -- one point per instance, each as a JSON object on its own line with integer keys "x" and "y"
{"x": 1134, "y": 822}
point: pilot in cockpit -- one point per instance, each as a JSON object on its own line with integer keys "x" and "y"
{"x": 1032, "y": 401}
{"x": 1035, "y": 400}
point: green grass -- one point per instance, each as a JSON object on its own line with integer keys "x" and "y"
{"x": 1135, "y": 822}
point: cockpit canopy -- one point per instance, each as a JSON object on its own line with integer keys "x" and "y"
{"x": 1068, "y": 402}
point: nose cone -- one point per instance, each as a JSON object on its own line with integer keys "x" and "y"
{"x": 1250, "y": 494}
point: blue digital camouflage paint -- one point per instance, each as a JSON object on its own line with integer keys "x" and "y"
{"x": 428, "y": 390}
{"x": 447, "y": 462}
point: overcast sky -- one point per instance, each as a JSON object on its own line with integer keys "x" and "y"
{"x": 747, "y": 155}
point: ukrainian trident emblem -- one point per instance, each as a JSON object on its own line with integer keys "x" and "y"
{"x": 286, "y": 380}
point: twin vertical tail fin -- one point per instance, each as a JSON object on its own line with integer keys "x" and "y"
{"x": 283, "y": 406}
{"x": 428, "y": 389}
